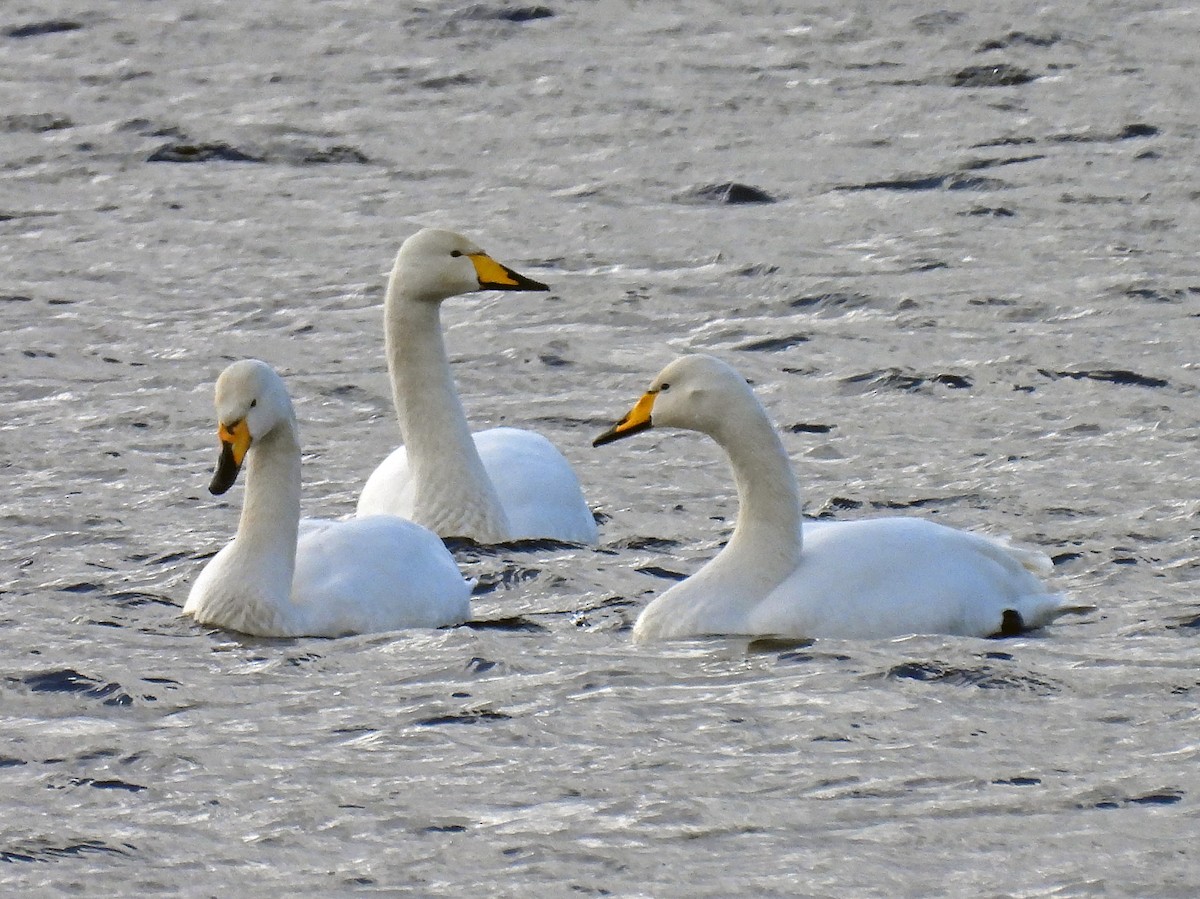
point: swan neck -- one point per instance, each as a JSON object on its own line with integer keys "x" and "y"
{"x": 270, "y": 519}
{"x": 422, "y": 384}
{"x": 769, "y": 519}
{"x": 454, "y": 496}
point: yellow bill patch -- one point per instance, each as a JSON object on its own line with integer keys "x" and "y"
{"x": 237, "y": 437}
{"x": 640, "y": 413}
{"x": 637, "y": 419}
{"x": 494, "y": 276}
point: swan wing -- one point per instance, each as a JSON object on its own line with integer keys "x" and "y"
{"x": 540, "y": 493}
{"x": 391, "y": 489}
{"x": 538, "y": 490}
{"x": 375, "y": 573}
{"x": 888, "y": 577}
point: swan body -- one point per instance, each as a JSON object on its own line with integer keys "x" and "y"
{"x": 515, "y": 461}
{"x": 283, "y": 576}
{"x": 493, "y": 486}
{"x": 874, "y": 578}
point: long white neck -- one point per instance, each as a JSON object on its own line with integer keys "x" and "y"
{"x": 769, "y": 500}
{"x": 455, "y": 497}
{"x": 764, "y": 548}
{"x": 259, "y": 577}
{"x": 766, "y": 541}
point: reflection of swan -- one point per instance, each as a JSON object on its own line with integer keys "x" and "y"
{"x": 506, "y": 483}
{"x": 283, "y": 577}
{"x": 879, "y": 577}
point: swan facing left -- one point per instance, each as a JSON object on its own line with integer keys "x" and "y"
{"x": 779, "y": 576}
{"x": 286, "y": 577}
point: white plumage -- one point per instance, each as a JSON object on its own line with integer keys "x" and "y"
{"x": 873, "y": 578}
{"x": 286, "y": 577}
{"x": 492, "y": 486}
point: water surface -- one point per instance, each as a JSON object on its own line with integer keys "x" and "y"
{"x": 974, "y": 297}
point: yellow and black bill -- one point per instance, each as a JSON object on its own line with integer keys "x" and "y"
{"x": 494, "y": 276}
{"x": 235, "y": 441}
{"x": 638, "y": 419}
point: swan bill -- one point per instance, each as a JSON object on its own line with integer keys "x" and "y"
{"x": 637, "y": 420}
{"x": 494, "y": 276}
{"x": 235, "y": 442}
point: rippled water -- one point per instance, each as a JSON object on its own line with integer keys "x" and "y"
{"x": 974, "y": 298}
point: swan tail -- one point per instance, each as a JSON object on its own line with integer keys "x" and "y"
{"x": 1031, "y": 612}
{"x": 1036, "y": 608}
{"x": 1006, "y": 553}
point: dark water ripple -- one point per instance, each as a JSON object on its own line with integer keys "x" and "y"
{"x": 70, "y": 681}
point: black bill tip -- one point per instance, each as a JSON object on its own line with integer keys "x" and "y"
{"x": 226, "y": 473}
{"x": 517, "y": 282}
{"x": 620, "y": 431}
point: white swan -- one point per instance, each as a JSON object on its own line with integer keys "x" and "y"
{"x": 880, "y": 577}
{"x": 495, "y": 486}
{"x": 283, "y": 577}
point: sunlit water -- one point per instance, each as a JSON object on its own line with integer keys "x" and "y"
{"x": 974, "y": 298}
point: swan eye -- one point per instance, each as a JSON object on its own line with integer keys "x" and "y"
{"x": 253, "y": 403}
{"x": 456, "y": 253}
{"x": 664, "y": 386}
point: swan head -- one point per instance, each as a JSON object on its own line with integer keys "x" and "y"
{"x": 697, "y": 393}
{"x": 433, "y": 265}
{"x": 251, "y": 401}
